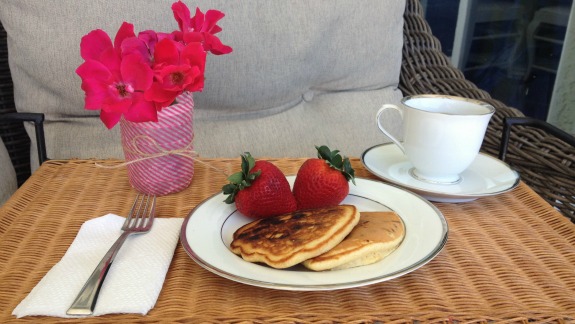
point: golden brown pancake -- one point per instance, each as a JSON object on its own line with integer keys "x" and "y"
{"x": 286, "y": 240}
{"x": 375, "y": 236}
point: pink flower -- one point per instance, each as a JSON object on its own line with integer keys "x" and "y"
{"x": 177, "y": 68}
{"x": 96, "y": 43}
{"x": 135, "y": 77}
{"x": 142, "y": 45}
{"x": 200, "y": 28}
{"x": 112, "y": 83}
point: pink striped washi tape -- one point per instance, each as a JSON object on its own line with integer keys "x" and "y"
{"x": 156, "y": 169}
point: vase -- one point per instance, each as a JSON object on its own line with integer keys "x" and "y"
{"x": 159, "y": 155}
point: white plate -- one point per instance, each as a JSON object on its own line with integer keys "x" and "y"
{"x": 207, "y": 232}
{"x": 486, "y": 176}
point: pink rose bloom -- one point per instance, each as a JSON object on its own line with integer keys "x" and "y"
{"x": 112, "y": 83}
{"x": 177, "y": 68}
{"x": 200, "y": 28}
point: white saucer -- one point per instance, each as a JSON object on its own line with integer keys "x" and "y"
{"x": 486, "y": 176}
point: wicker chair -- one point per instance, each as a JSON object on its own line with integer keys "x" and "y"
{"x": 545, "y": 162}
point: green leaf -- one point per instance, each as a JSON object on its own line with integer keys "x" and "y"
{"x": 246, "y": 157}
{"x": 236, "y": 177}
{"x": 229, "y": 188}
{"x": 337, "y": 162}
{"x": 251, "y": 162}
{"x": 231, "y": 198}
{"x": 348, "y": 170}
{"x": 323, "y": 152}
{"x": 334, "y": 153}
{"x": 244, "y": 184}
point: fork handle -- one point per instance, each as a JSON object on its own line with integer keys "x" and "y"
{"x": 86, "y": 300}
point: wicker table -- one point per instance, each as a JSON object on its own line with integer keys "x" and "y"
{"x": 508, "y": 258}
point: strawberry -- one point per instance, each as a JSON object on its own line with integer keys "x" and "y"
{"x": 259, "y": 190}
{"x": 323, "y": 182}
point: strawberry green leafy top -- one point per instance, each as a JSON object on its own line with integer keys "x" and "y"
{"x": 336, "y": 161}
{"x": 241, "y": 179}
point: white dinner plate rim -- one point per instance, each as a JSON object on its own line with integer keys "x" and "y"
{"x": 430, "y": 194}
{"x": 319, "y": 287}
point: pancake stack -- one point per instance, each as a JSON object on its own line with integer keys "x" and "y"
{"x": 330, "y": 238}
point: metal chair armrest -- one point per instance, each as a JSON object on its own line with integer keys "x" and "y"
{"x": 532, "y": 122}
{"x": 38, "y": 120}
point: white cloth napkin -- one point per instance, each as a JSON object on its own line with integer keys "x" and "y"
{"x": 133, "y": 282}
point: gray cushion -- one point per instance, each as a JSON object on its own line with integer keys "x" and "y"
{"x": 302, "y": 72}
{"x": 7, "y": 175}
{"x": 341, "y": 120}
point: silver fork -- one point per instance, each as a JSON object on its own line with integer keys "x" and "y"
{"x": 139, "y": 221}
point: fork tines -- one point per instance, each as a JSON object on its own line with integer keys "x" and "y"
{"x": 142, "y": 212}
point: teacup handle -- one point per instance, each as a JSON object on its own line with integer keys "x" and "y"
{"x": 381, "y": 128}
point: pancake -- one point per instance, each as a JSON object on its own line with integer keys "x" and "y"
{"x": 285, "y": 240}
{"x": 376, "y": 235}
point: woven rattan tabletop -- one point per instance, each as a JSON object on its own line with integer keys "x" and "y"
{"x": 509, "y": 258}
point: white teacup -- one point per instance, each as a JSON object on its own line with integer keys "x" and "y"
{"x": 442, "y": 134}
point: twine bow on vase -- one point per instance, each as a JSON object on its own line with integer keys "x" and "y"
{"x": 159, "y": 155}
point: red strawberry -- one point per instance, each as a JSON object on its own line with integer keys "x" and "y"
{"x": 259, "y": 190}
{"x": 323, "y": 182}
